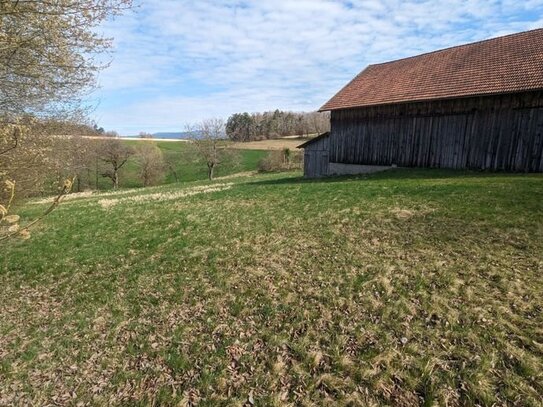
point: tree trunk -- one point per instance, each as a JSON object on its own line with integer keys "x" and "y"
{"x": 115, "y": 179}
{"x": 210, "y": 169}
{"x": 174, "y": 172}
{"x": 96, "y": 175}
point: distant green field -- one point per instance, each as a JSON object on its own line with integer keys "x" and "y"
{"x": 183, "y": 166}
{"x": 405, "y": 288}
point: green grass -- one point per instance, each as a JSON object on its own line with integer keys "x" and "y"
{"x": 411, "y": 287}
{"x": 185, "y": 168}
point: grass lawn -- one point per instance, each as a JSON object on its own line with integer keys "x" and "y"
{"x": 402, "y": 288}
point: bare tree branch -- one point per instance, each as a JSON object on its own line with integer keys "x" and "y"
{"x": 66, "y": 188}
{"x": 15, "y": 138}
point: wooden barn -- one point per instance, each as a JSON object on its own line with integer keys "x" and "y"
{"x": 477, "y": 106}
{"x": 316, "y": 160}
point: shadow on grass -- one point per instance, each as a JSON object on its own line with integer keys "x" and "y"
{"x": 394, "y": 174}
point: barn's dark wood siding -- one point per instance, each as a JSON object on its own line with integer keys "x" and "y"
{"x": 316, "y": 158}
{"x": 494, "y": 132}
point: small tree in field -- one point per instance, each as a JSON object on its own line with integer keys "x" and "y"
{"x": 114, "y": 153}
{"x": 170, "y": 163}
{"x": 208, "y": 139}
{"x": 151, "y": 163}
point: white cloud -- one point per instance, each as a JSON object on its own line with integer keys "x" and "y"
{"x": 178, "y": 61}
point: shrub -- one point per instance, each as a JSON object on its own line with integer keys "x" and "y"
{"x": 281, "y": 160}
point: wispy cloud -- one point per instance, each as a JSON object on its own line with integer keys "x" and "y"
{"x": 179, "y": 61}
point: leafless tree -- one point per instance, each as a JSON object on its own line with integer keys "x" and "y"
{"x": 151, "y": 163}
{"x": 208, "y": 138}
{"x": 114, "y": 153}
{"x": 79, "y": 158}
{"x": 171, "y": 164}
{"x": 319, "y": 122}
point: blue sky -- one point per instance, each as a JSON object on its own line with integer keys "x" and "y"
{"x": 176, "y": 62}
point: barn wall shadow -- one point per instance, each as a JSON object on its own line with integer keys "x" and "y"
{"x": 395, "y": 174}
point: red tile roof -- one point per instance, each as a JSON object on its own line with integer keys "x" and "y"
{"x": 500, "y": 65}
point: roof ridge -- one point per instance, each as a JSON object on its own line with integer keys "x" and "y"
{"x": 457, "y": 46}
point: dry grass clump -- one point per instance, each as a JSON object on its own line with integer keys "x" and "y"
{"x": 88, "y": 194}
{"x": 164, "y": 196}
{"x": 405, "y": 213}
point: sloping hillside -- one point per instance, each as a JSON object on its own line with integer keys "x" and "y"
{"x": 401, "y": 288}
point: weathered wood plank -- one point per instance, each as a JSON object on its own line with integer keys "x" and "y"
{"x": 501, "y": 132}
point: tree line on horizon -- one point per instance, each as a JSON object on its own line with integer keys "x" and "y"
{"x": 274, "y": 124}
